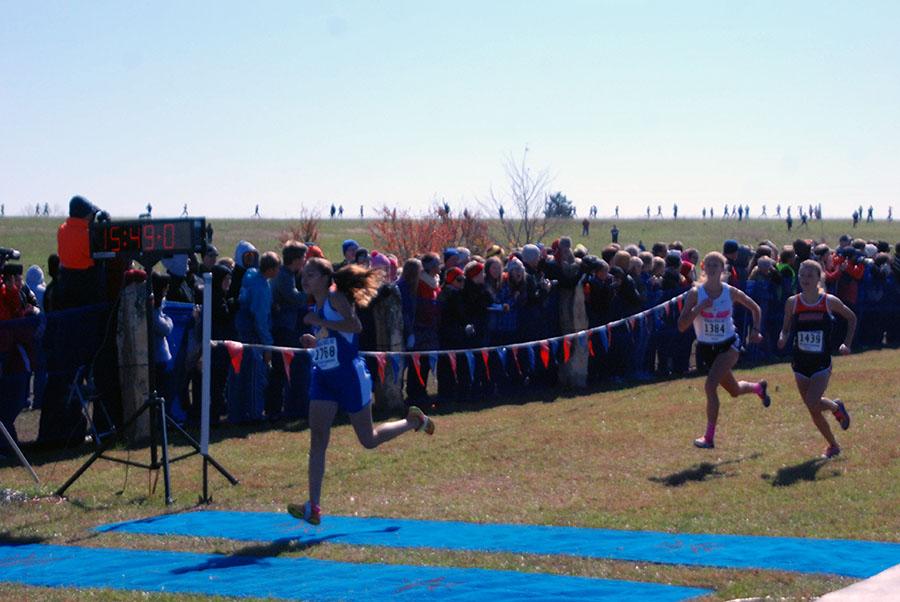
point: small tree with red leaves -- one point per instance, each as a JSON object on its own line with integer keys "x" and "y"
{"x": 306, "y": 230}
{"x": 407, "y": 236}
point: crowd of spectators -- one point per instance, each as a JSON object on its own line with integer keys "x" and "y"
{"x": 505, "y": 301}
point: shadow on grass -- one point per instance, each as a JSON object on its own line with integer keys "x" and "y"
{"x": 805, "y": 471}
{"x": 8, "y": 539}
{"x": 261, "y": 553}
{"x": 698, "y": 472}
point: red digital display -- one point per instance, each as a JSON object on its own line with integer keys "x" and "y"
{"x": 147, "y": 236}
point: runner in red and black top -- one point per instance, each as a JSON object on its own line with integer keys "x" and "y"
{"x": 809, "y": 315}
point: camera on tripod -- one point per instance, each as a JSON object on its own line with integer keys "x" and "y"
{"x": 7, "y": 254}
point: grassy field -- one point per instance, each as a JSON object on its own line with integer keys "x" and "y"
{"x": 618, "y": 458}
{"x": 36, "y": 237}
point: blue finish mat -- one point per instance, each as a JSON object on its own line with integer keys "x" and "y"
{"x": 302, "y": 578}
{"x": 841, "y": 557}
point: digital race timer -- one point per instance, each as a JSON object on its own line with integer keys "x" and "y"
{"x": 148, "y": 236}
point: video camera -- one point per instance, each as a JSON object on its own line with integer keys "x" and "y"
{"x": 7, "y": 254}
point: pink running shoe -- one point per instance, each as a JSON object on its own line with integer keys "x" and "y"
{"x": 764, "y": 393}
{"x": 702, "y": 443}
{"x": 309, "y": 512}
{"x": 832, "y": 451}
{"x": 841, "y": 415}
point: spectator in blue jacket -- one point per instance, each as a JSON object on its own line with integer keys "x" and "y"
{"x": 246, "y": 397}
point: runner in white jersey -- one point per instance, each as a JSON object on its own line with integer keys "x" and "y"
{"x": 709, "y": 308}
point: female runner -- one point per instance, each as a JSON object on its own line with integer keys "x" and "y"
{"x": 709, "y": 307}
{"x": 340, "y": 380}
{"x": 808, "y": 314}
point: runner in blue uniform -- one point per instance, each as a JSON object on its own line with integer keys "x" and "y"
{"x": 340, "y": 380}
{"x": 809, "y": 315}
{"x": 709, "y": 307}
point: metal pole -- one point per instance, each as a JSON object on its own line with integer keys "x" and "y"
{"x": 12, "y": 444}
{"x": 206, "y": 363}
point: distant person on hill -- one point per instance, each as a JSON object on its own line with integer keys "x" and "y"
{"x": 855, "y": 218}
{"x": 501, "y": 212}
{"x": 704, "y": 213}
{"x": 740, "y": 211}
{"x": 585, "y": 227}
{"x": 648, "y": 211}
{"x": 763, "y": 214}
{"x": 333, "y": 210}
{"x": 725, "y": 211}
{"x": 341, "y": 211}
{"x": 869, "y": 217}
{"x": 340, "y": 380}
{"x": 184, "y": 210}
{"x": 256, "y": 212}
{"x": 614, "y": 232}
{"x": 675, "y": 211}
{"x": 809, "y": 315}
{"x": 360, "y": 212}
{"x": 709, "y": 307}
{"x": 790, "y": 222}
{"x": 659, "y": 211}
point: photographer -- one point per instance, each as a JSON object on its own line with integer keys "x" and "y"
{"x": 79, "y": 282}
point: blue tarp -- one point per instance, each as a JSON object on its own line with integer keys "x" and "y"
{"x": 302, "y": 578}
{"x": 841, "y": 557}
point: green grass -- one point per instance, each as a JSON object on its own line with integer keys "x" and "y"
{"x": 36, "y": 237}
{"x": 617, "y": 458}
{"x": 609, "y": 459}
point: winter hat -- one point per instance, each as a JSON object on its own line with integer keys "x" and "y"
{"x": 380, "y": 261}
{"x": 347, "y": 244}
{"x": 515, "y": 265}
{"x": 730, "y": 246}
{"x": 80, "y": 207}
{"x": 452, "y": 275}
{"x": 871, "y": 250}
{"x": 473, "y": 268}
{"x": 530, "y": 253}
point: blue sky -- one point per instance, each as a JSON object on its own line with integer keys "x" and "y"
{"x": 225, "y": 105}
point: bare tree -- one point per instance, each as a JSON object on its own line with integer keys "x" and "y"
{"x": 527, "y": 196}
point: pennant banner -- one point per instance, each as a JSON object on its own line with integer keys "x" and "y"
{"x": 487, "y": 364}
{"x": 398, "y": 370}
{"x": 470, "y": 360}
{"x": 567, "y": 344}
{"x": 236, "y": 353}
{"x": 452, "y": 358}
{"x": 418, "y": 368}
{"x": 545, "y": 354}
{"x": 287, "y": 356}
{"x": 381, "y": 360}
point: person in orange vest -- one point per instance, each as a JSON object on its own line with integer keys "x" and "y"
{"x": 78, "y": 276}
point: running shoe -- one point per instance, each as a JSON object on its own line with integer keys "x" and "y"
{"x": 702, "y": 443}
{"x": 841, "y": 414}
{"x": 764, "y": 394}
{"x": 425, "y": 423}
{"x": 832, "y": 451}
{"x": 308, "y": 511}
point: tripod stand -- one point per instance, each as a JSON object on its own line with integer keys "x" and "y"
{"x": 86, "y": 394}
{"x": 155, "y": 406}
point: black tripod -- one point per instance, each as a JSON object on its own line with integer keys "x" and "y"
{"x": 155, "y": 404}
